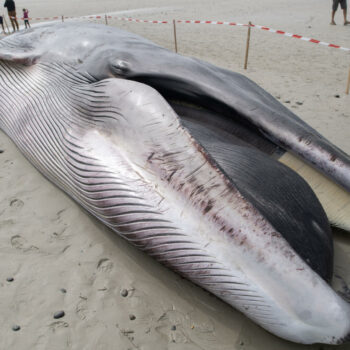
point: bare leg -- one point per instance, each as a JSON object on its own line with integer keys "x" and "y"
{"x": 345, "y": 20}
{"x": 3, "y": 28}
{"x": 332, "y": 21}
{"x": 16, "y": 23}
{"x": 13, "y": 24}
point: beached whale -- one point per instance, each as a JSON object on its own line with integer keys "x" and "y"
{"x": 184, "y": 181}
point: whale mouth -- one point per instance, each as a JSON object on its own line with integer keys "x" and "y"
{"x": 198, "y": 107}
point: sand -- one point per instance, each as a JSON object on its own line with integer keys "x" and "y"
{"x": 61, "y": 258}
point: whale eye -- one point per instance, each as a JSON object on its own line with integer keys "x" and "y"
{"x": 120, "y": 67}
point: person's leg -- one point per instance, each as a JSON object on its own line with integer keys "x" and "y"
{"x": 334, "y": 9}
{"x": 12, "y": 15}
{"x": 343, "y": 4}
{"x": 345, "y": 20}
{"x": 3, "y": 28}
{"x": 13, "y": 24}
{"x": 332, "y": 21}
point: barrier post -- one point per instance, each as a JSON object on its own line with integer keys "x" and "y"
{"x": 247, "y": 47}
{"x": 348, "y": 84}
{"x": 62, "y": 18}
{"x": 175, "y": 41}
{"x": 106, "y": 20}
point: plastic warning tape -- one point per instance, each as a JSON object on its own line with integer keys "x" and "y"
{"x": 271, "y": 30}
{"x": 212, "y": 22}
{"x": 296, "y": 36}
{"x": 137, "y": 20}
{"x": 38, "y": 18}
{"x": 91, "y": 17}
{"x": 122, "y": 19}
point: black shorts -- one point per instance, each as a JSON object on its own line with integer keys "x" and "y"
{"x": 336, "y": 4}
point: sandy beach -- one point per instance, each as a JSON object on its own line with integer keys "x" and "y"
{"x": 55, "y": 257}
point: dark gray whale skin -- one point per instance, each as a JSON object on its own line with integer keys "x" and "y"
{"x": 229, "y": 218}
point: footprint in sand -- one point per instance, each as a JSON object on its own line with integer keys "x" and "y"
{"x": 21, "y": 243}
{"x": 58, "y": 235}
{"x": 54, "y": 326}
{"x": 16, "y": 203}
{"x": 104, "y": 265}
{"x": 82, "y": 309}
{"x": 17, "y": 242}
{"x": 58, "y": 216}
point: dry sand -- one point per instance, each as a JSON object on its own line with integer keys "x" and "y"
{"x": 63, "y": 259}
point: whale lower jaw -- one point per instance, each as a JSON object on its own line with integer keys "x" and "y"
{"x": 120, "y": 150}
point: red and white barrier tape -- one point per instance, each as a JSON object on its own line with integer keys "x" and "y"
{"x": 271, "y": 30}
{"x": 136, "y": 20}
{"x": 212, "y": 22}
{"x": 91, "y": 17}
{"x": 296, "y": 36}
{"x": 38, "y": 18}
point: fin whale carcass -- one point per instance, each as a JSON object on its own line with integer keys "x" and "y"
{"x": 222, "y": 214}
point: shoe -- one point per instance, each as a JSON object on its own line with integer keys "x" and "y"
{"x": 346, "y": 23}
{"x": 333, "y": 23}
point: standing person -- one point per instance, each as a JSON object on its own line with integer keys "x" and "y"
{"x": 343, "y": 6}
{"x": 2, "y": 24}
{"x": 11, "y": 10}
{"x": 26, "y": 18}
